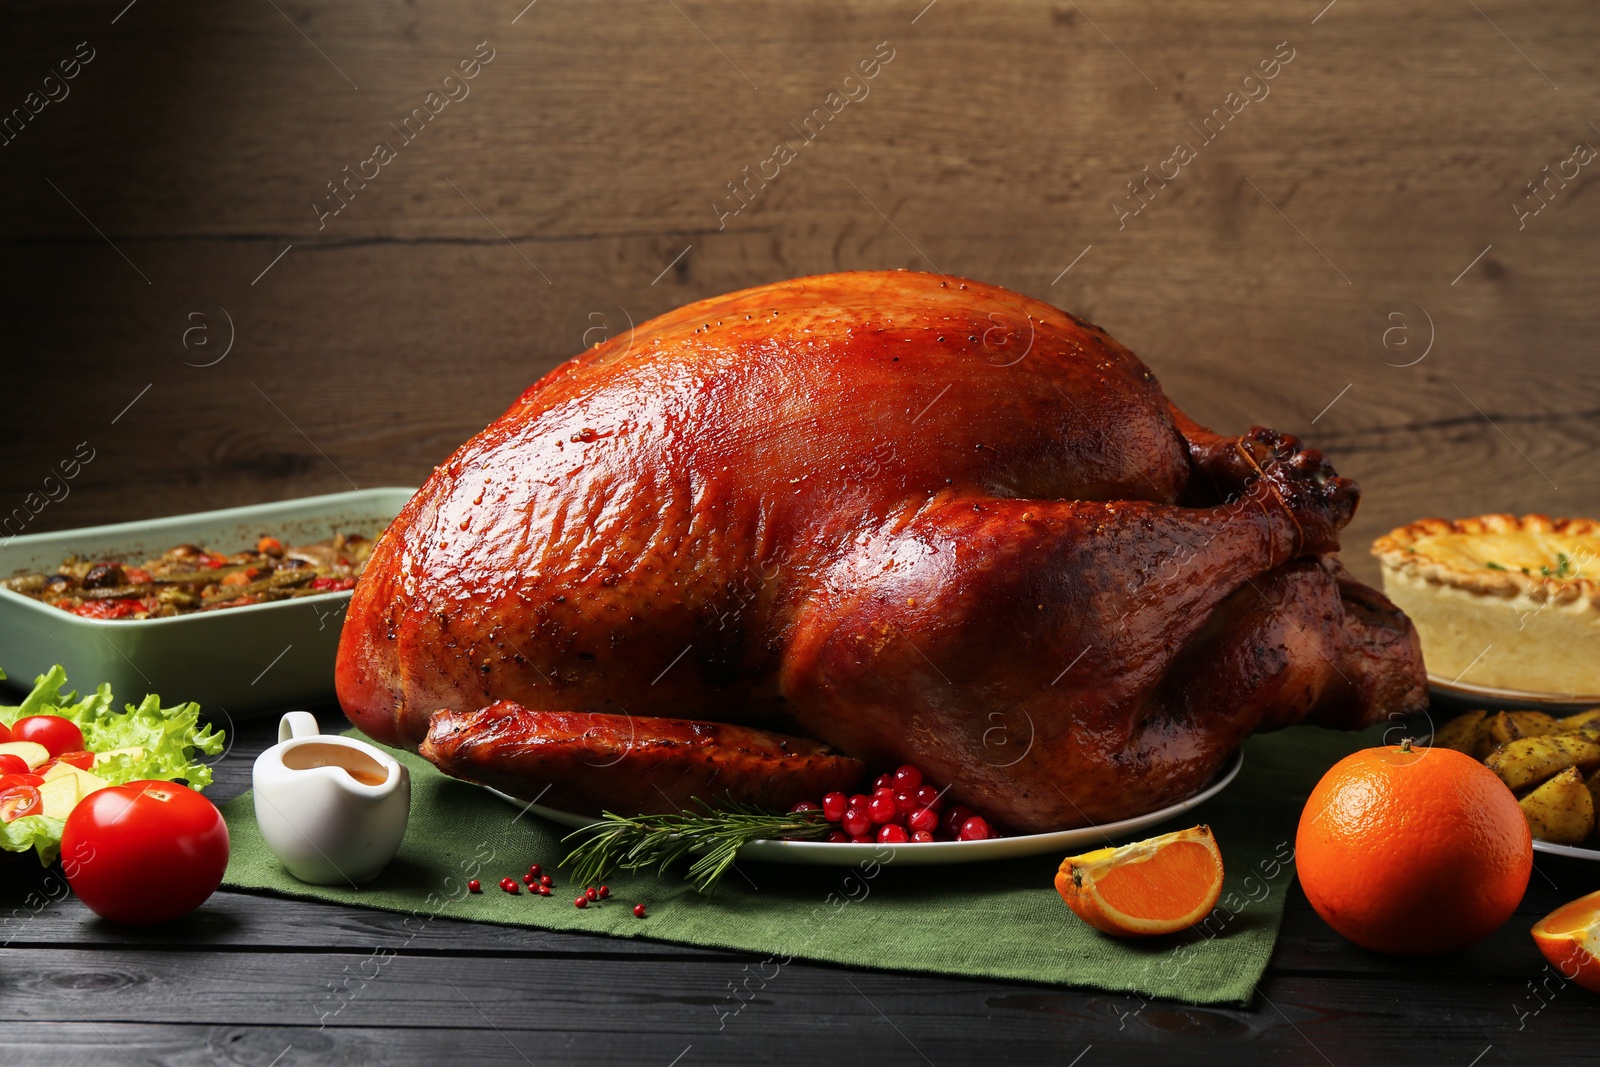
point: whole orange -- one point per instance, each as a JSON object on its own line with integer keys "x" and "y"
{"x": 1413, "y": 850}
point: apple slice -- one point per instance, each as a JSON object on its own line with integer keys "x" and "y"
{"x": 1569, "y": 937}
{"x": 32, "y": 753}
{"x": 64, "y": 787}
{"x": 107, "y": 756}
{"x": 59, "y": 795}
{"x": 88, "y": 781}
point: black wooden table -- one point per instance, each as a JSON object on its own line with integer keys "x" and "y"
{"x": 259, "y": 980}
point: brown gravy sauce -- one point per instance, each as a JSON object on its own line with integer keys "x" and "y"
{"x": 358, "y": 765}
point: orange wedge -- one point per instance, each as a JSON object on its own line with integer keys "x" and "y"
{"x": 1569, "y": 937}
{"x": 1158, "y": 886}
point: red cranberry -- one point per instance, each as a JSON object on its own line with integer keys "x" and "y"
{"x": 883, "y": 781}
{"x": 929, "y": 797}
{"x": 509, "y": 886}
{"x": 544, "y": 891}
{"x": 856, "y": 823}
{"x": 838, "y": 837}
{"x": 544, "y": 879}
{"x": 863, "y": 839}
{"x": 882, "y": 809}
{"x": 953, "y": 819}
{"x": 638, "y": 911}
{"x": 834, "y": 805}
{"x": 893, "y": 834}
{"x": 474, "y": 886}
{"x": 804, "y": 806}
{"x": 591, "y": 893}
{"x": 920, "y": 836}
{"x": 581, "y": 902}
{"x": 534, "y": 870}
{"x": 907, "y": 777}
{"x": 857, "y": 800}
{"x": 605, "y": 891}
{"x": 974, "y": 829}
{"x": 905, "y": 802}
{"x": 923, "y": 819}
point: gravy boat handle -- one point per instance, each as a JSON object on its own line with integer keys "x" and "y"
{"x": 297, "y": 724}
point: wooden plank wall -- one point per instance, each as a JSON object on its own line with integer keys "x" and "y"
{"x": 574, "y": 185}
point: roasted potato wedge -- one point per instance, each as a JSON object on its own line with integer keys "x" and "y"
{"x": 1507, "y": 726}
{"x": 1530, "y": 760}
{"x": 1462, "y": 733}
{"x": 1485, "y": 744}
{"x": 1583, "y": 718}
{"x": 1561, "y": 810}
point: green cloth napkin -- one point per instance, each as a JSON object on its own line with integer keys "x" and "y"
{"x": 992, "y": 920}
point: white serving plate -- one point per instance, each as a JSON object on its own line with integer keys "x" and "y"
{"x": 1571, "y": 852}
{"x": 929, "y": 853}
{"x": 1506, "y": 698}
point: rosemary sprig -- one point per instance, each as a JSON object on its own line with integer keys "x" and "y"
{"x": 712, "y": 837}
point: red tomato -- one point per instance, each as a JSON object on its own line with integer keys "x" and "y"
{"x": 18, "y": 801}
{"x": 109, "y": 609}
{"x": 56, "y": 734}
{"x": 144, "y": 852}
{"x": 82, "y": 760}
{"x": 10, "y": 764}
{"x": 24, "y": 778}
{"x": 5, "y": 733}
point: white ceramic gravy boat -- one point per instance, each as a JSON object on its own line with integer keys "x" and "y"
{"x": 331, "y": 808}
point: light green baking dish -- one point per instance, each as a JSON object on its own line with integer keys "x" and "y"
{"x": 234, "y": 661}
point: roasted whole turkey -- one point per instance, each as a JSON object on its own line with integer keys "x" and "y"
{"x": 775, "y": 538}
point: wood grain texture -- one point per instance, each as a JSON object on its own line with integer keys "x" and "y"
{"x": 590, "y": 153}
{"x": 595, "y": 1011}
{"x": 251, "y": 971}
{"x": 575, "y": 191}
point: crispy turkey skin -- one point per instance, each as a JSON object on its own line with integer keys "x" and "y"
{"x": 918, "y": 519}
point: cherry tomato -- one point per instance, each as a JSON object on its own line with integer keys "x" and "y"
{"x": 82, "y": 760}
{"x": 10, "y": 764}
{"x": 5, "y": 733}
{"x": 109, "y": 609}
{"x": 56, "y": 734}
{"x": 144, "y": 852}
{"x": 24, "y": 778}
{"x": 18, "y": 801}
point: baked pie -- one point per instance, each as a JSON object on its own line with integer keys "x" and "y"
{"x": 1501, "y": 601}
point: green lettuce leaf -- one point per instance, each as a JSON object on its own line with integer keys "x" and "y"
{"x": 170, "y": 742}
{"x": 38, "y": 832}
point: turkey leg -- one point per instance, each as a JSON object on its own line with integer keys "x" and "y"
{"x": 1027, "y": 642}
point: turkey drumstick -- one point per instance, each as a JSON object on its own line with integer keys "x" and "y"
{"x": 1019, "y": 647}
